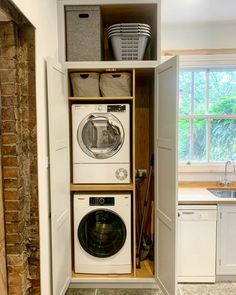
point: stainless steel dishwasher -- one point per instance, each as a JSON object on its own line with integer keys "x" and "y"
{"x": 196, "y": 243}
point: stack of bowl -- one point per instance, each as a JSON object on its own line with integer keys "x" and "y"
{"x": 129, "y": 40}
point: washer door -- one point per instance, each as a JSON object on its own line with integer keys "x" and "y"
{"x": 102, "y": 233}
{"x": 100, "y": 136}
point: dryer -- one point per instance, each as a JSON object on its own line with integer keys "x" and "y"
{"x": 101, "y": 143}
{"x": 102, "y": 233}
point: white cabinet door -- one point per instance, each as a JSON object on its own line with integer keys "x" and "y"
{"x": 166, "y": 164}
{"x": 59, "y": 178}
{"x": 226, "y": 240}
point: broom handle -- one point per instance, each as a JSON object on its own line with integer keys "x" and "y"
{"x": 145, "y": 209}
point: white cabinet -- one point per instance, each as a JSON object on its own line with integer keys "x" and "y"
{"x": 226, "y": 240}
{"x": 154, "y": 119}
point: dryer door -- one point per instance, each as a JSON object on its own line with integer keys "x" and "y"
{"x": 100, "y": 136}
{"x": 102, "y": 233}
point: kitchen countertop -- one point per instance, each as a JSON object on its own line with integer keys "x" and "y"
{"x": 201, "y": 196}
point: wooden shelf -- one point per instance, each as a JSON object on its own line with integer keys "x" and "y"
{"x": 101, "y": 187}
{"x": 103, "y": 98}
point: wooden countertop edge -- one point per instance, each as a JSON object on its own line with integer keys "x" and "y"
{"x": 207, "y": 202}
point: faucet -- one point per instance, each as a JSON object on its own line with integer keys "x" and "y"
{"x": 225, "y": 180}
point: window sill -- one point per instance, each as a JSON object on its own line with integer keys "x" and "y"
{"x": 202, "y": 168}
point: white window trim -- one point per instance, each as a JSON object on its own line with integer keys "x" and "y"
{"x": 198, "y": 62}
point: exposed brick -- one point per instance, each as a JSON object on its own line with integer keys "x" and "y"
{"x": 12, "y": 216}
{"x": 19, "y": 157}
{"x": 10, "y": 184}
{"x": 13, "y": 228}
{"x": 9, "y": 138}
{"x": 9, "y": 113}
{"x": 9, "y": 161}
{"x": 9, "y": 149}
{"x": 7, "y": 63}
{"x": 7, "y": 76}
{"x": 9, "y": 126}
{"x": 15, "y": 279}
{"x": 9, "y": 101}
{"x": 14, "y": 249}
{"x": 8, "y": 88}
{"x": 14, "y": 238}
{"x": 10, "y": 172}
{"x": 9, "y": 52}
{"x": 13, "y": 205}
{"x": 11, "y": 194}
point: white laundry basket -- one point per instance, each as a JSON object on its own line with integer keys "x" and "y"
{"x": 129, "y": 46}
{"x": 85, "y": 84}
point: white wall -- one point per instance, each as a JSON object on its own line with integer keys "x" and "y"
{"x": 43, "y": 15}
{"x": 198, "y": 36}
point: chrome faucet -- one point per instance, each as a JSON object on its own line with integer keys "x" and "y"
{"x": 225, "y": 180}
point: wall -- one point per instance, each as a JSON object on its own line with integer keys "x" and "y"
{"x": 19, "y": 157}
{"x": 43, "y": 16}
{"x": 3, "y": 272}
{"x": 198, "y": 36}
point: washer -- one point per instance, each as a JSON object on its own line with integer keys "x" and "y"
{"x": 102, "y": 233}
{"x": 101, "y": 143}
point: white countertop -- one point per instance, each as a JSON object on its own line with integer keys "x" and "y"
{"x": 200, "y": 196}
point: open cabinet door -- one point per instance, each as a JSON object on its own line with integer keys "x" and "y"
{"x": 59, "y": 178}
{"x": 166, "y": 182}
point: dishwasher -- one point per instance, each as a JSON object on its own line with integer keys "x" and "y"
{"x": 196, "y": 247}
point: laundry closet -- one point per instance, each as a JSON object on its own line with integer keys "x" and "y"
{"x": 112, "y": 141}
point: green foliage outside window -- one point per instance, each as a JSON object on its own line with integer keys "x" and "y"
{"x": 207, "y": 115}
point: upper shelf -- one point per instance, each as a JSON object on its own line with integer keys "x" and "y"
{"x": 111, "y": 65}
{"x": 112, "y": 12}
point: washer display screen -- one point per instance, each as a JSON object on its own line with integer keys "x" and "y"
{"x": 102, "y": 233}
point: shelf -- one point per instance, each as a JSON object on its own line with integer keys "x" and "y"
{"x": 99, "y": 98}
{"x": 101, "y": 187}
{"x": 111, "y": 65}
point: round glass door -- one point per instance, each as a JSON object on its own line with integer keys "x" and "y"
{"x": 102, "y": 233}
{"x": 100, "y": 136}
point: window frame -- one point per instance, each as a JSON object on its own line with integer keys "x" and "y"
{"x": 198, "y": 63}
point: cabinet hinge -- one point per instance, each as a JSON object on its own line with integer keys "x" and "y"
{"x": 220, "y": 215}
{"x": 219, "y": 262}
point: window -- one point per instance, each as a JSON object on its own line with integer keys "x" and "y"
{"x": 207, "y": 115}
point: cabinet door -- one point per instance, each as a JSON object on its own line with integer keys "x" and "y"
{"x": 166, "y": 164}
{"x": 226, "y": 240}
{"x": 59, "y": 178}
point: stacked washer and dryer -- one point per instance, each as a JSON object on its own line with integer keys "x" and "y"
{"x": 101, "y": 155}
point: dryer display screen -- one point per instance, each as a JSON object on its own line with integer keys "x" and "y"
{"x": 116, "y": 108}
{"x": 102, "y": 233}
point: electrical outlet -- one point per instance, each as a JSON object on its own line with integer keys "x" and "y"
{"x": 141, "y": 173}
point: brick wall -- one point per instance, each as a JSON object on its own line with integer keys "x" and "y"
{"x": 19, "y": 157}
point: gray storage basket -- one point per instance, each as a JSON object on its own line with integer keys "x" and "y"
{"x": 115, "y": 84}
{"x": 83, "y": 33}
{"x": 85, "y": 84}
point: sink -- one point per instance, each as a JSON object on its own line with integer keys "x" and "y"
{"x": 223, "y": 193}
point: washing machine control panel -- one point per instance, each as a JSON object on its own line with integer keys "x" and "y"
{"x": 101, "y": 201}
